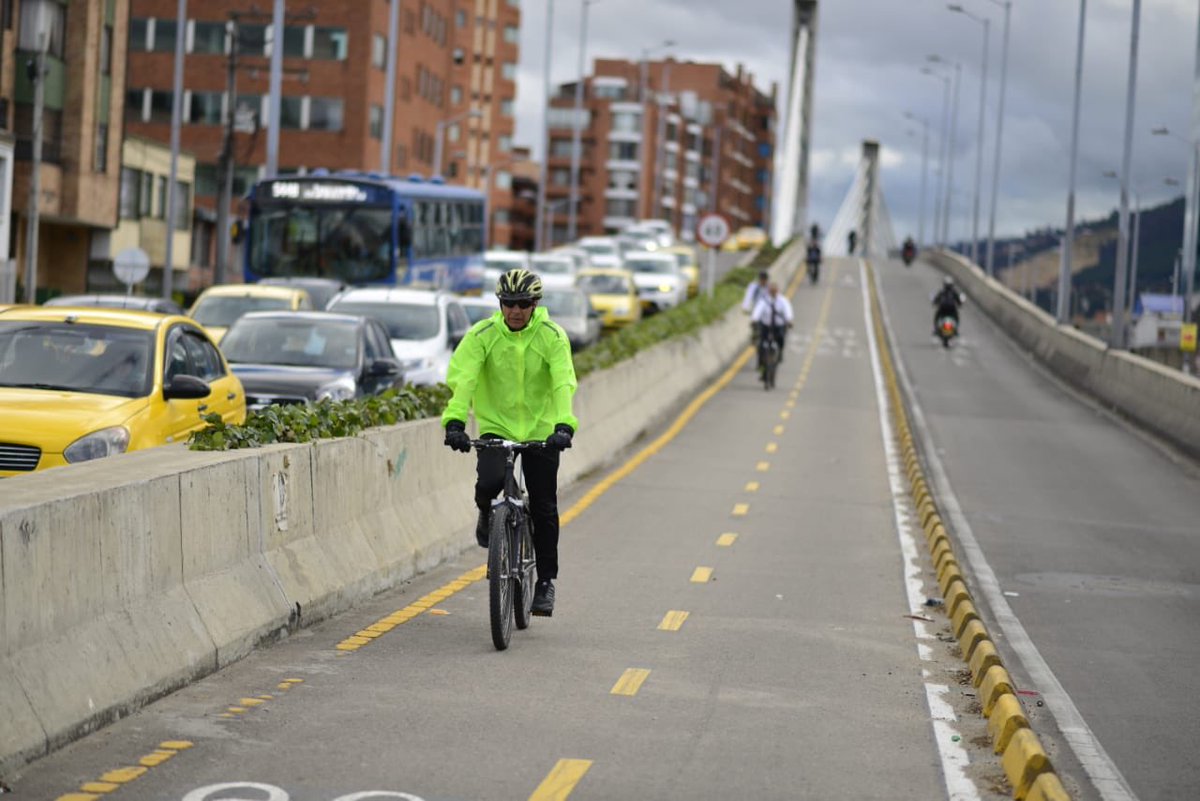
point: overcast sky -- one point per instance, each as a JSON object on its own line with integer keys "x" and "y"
{"x": 869, "y": 53}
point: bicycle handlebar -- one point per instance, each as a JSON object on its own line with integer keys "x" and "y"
{"x": 508, "y": 445}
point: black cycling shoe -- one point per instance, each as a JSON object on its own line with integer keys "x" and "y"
{"x": 481, "y": 528}
{"x": 543, "y": 598}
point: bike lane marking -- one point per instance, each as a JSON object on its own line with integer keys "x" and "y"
{"x": 630, "y": 682}
{"x": 561, "y": 780}
{"x": 727, "y": 539}
{"x": 673, "y": 620}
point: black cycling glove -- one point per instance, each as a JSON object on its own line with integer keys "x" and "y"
{"x": 561, "y": 438}
{"x": 456, "y": 436}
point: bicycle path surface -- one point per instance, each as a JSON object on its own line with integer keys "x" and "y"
{"x": 1091, "y": 530}
{"x": 738, "y": 617}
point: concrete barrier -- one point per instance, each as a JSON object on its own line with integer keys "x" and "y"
{"x": 126, "y": 578}
{"x": 1155, "y": 397}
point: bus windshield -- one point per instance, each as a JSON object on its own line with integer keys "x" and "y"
{"x": 350, "y": 243}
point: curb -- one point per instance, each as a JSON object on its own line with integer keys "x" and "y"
{"x": 1023, "y": 758}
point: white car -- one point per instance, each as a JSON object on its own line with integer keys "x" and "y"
{"x": 498, "y": 262}
{"x": 660, "y": 228}
{"x": 479, "y": 308}
{"x": 579, "y": 256}
{"x": 555, "y": 270}
{"x": 423, "y": 325}
{"x": 660, "y": 284}
{"x": 603, "y": 251}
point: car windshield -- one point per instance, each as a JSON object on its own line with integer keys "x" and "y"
{"x": 683, "y": 259}
{"x": 293, "y": 343}
{"x": 72, "y": 357}
{"x": 604, "y": 284}
{"x": 402, "y": 320}
{"x": 565, "y": 304}
{"x": 599, "y": 248}
{"x": 224, "y": 310}
{"x": 552, "y": 266}
{"x": 649, "y": 266}
{"x": 476, "y": 312}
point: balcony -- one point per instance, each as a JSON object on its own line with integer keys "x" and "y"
{"x": 613, "y": 193}
{"x": 624, "y": 165}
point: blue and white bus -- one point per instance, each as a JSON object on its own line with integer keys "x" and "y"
{"x": 366, "y": 228}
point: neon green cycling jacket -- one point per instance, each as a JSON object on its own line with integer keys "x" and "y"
{"x": 520, "y": 383}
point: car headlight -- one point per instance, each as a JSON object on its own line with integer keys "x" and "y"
{"x": 339, "y": 390}
{"x": 666, "y": 287}
{"x": 98, "y": 444}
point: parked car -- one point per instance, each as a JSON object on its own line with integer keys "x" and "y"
{"x": 554, "y": 270}
{"x": 686, "y": 256}
{"x": 613, "y": 294}
{"x": 479, "y": 308}
{"x": 305, "y": 357}
{"x": 80, "y": 384}
{"x": 602, "y": 250}
{"x": 749, "y": 237}
{"x": 133, "y": 302}
{"x": 320, "y": 290}
{"x": 498, "y": 262}
{"x": 660, "y": 284}
{"x": 220, "y": 306}
{"x": 423, "y": 325}
{"x": 571, "y": 309}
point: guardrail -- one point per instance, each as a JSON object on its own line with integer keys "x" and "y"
{"x": 1162, "y": 400}
{"x": 126, "y": 578}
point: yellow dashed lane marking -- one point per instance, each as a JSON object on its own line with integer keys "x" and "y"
{"x": 740, "y": 509}
{"x": 772, "y": 447}
{"x": 751, "y": 486}
{"x": 785, "y": 414}
{"x": 673, "y": 620}
{"x": 561, "y": 780}
{"x": 762, "y": 467}
{"x": 701, "y": 575}
{"x": 77, "y": 797}
{"x": 778, "y": 430}
{"x": 630, "y": 682}
{"x": 725, "y": 540}
{"x": 98, "y": 787}
{"x": 123, "y": 775}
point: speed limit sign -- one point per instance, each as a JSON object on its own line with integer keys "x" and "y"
{"x": 713, "y": 229}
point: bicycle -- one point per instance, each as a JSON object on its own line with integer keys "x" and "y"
{"x": 769, "y": 356}
{"x": 511, "y": 562}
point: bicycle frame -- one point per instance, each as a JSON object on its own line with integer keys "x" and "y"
{"x": 514, "y": 498}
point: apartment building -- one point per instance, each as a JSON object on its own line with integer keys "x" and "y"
{"x": 450, "y": 82}
{"x": 84, "y": 45}
{"x": 663, "y": 139}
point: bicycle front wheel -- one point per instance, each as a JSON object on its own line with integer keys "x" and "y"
{"x": 523, "y": 563}
{"x": 500, "y": 578}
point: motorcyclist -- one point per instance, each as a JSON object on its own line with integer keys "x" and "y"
{"x": 946, "y": 302}
{"x": 909, "y": 250}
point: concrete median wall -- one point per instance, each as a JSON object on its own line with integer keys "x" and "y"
{"x": 1155, "y": 397}
{"x": 126, "y": 578}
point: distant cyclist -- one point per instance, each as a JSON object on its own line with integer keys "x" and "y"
{"x": 755, "y": 291}
{"x": 773, "y": 316}
{"x": 515, "y": 370}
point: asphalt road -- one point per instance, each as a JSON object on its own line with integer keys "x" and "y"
{"x": 733, "y": 621}
{"x": 1092, "y": 532}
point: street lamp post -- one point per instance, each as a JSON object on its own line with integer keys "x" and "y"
{"x": 987, "y": 24}
{"x": 173, "y": 169}
{"x": 942, "y": 137}
{"x": 1064, "y": 267}
{"x": 544, "y": 172}
{"x": 577, "y": 122}
{"x": 991, "y": 245}
{"x": 643, "y": 91}
{"x": 948, "y": 197}
{"x": 924, "y": 170}
{"x": 1118, "y": 334}
{"x": 1191, "y": 198}
{"x": 441, "y": 135}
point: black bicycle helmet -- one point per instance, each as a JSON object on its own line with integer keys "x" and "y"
{"x": 519, "y": 284}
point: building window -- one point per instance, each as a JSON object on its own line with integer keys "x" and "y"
{"x": 454, "y": 132}
{"x": 504, "y": 144}
{"x": 131, "y": 181}
{"x": 204, "y": 108}
{"x": 251, "y": 40}
{"x": 456, "y": 95}
{"x": 627, "y": 122}
{"x": 622, "y": 179}
{"x": 608, "y": 92}
{"x": 53, "y": 18}
{"x": 460, "y": 19}
{"x": 208, "y": 37}
{"x": 329, "y": 44}
{"x": 160, "y": 200}
{"x": 509, "y": 71}
{"x": 291, "y": 112}
{"x": 560, "y": 177}
{"x": 506, "y": 108}
{"x": 512, "y": 34}
{"x": 145, "y": 193}
{"x": 208, "y": 182}
{"x": 620, "y": 208}
{"x": 504, "y": 180}
{"x": 376, "y": 122}
{"x": 160, "y": 106}
{"x": 101, "y": 155}
{"x": 183, "y": 206}
{"x": 164, "y": 36}
{"x": 106, "y": 34}
{"x": 325, "y": 114}
{"x": 565, "y": 118}
{"x": 623, "y": 151}
{"x": 293, "y": 41}
{"x": 378, "y": 51}
{"x": 139, "y": 33}
{"x": 135, "y": 104}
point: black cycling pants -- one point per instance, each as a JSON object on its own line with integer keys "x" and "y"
{"x": 767, "y": 333}
{"x": 541, "y": 482}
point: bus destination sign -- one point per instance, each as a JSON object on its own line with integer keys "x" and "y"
{"x": 319, "y": 192}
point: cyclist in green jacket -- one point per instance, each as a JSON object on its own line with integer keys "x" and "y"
{"x": 515, "y": 369}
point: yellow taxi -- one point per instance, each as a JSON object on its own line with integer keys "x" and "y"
{"x": 613, "y": 294}
{"x": 749, "y": 237}
{"x": 686, "y": 256}
{"x": 220, "y": 306}
{"x": 78, "y": 384}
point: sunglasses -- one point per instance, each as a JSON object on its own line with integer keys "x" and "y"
{"x": 520, "y": 304}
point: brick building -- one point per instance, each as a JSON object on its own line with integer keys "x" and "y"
{"x": 456, "y": 64}
{"x": 664, "y": 139}
{"x": 81, "y": 134}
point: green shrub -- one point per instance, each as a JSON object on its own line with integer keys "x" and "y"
{"x": 329, "y": 419}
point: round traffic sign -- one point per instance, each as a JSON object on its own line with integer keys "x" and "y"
{"x": 131, "y": 266}
{"x": 713, "y": 229}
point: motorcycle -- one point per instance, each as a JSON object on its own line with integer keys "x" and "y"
{"x": 947, "y": 329}
{"x": 909, "y": 254}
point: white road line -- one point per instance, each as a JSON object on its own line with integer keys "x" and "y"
{"x": 953, "y": 753}
{"x": 1099, "y": 767}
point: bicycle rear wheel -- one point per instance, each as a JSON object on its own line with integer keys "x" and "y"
{"x": 770, "y": 365}
{"x": 523, "y": 563}
{"x": 500, "y": 582}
